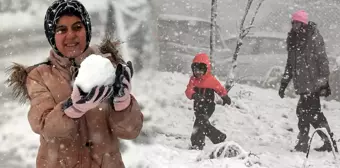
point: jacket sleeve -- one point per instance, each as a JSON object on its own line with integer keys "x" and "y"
{"x": 45, "y": 115}
{"x": 287, "y": 74}
{"x": 218, "y": 88}
{"x": 190, "y": 89}
{"x": 127, "y": 124}
{"x": 322, "y": 61}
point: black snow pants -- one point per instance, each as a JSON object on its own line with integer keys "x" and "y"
{"x": 309, "y": 113}
{"x": 202, "y": 127}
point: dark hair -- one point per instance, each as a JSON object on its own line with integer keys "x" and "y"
{"x": 69, "y": 12}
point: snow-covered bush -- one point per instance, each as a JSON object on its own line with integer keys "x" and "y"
{"x": 229, "y": 149}
{"x": 242, "y": 93}
{"x": 273, "y": 77}
{"x": 272, "y": 80}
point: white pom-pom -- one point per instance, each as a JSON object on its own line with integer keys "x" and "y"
{"x": 95, "y": 70}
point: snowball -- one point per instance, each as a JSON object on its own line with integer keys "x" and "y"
{"x": 95, "y": 70}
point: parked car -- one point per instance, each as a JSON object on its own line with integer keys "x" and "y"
{"x": 182, "y": 37}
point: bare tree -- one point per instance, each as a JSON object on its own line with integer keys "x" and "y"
{"x": 213, "y": 30}
{"x": 243, "y": 31}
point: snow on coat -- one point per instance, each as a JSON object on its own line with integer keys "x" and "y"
{"x": 307, "y": 62}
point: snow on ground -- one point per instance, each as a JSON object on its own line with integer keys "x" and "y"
{"x": 264, "y": 124}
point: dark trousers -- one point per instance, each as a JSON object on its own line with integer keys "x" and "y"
{"x": 309, "y": 113}
{"x": 202, "y": 127}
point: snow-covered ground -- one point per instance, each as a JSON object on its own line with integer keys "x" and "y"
{"x": 263, "y": 124}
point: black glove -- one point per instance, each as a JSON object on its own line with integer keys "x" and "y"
{"x": 123, "y": 71}
{"x": 197, "y": 97}
{"x": 325, "y": 90}
{"x": 282, "y": 90}
{"x": 226, "y": 100}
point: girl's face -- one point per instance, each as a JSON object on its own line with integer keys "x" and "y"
{"x": 70, "y": 36}
{"x": 198, "y": 74}
{"x": 199, "y": 69}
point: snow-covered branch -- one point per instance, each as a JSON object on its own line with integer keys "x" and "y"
{"x": 243, "y": 33}
{"x": 246, "y": 30}
{"x": 256, "y": 11}
{"x": 245, "y": 14}
{"x": 251, "y": 25}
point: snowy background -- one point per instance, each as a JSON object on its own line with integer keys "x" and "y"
{"x": 259, "y": 121}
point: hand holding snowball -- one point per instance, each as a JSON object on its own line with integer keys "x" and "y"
{"x": 122, "y": 86}
{"x": 92, "y": 86}
{"x": 80, "y": 102}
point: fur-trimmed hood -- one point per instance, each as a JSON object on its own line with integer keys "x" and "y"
{"x": 18, "y": 72}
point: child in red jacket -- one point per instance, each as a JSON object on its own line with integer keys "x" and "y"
{"x": 201, "y": 88}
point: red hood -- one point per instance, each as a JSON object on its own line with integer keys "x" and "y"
{"x": 203, "y": 58}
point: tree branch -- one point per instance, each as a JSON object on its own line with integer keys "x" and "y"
{"x": 245, "y": 14}
{"x": 256, "y": 11}
{"x": 213, "y": 32}
{"x": 251, "y": 25}
{"x": 242, "y": 33}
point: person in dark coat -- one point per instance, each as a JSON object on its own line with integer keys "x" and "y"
{"x": 202, "y": 88}
{"x": 307, "y": 65}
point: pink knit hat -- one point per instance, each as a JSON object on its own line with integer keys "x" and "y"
{"x": 301, "y": 16}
